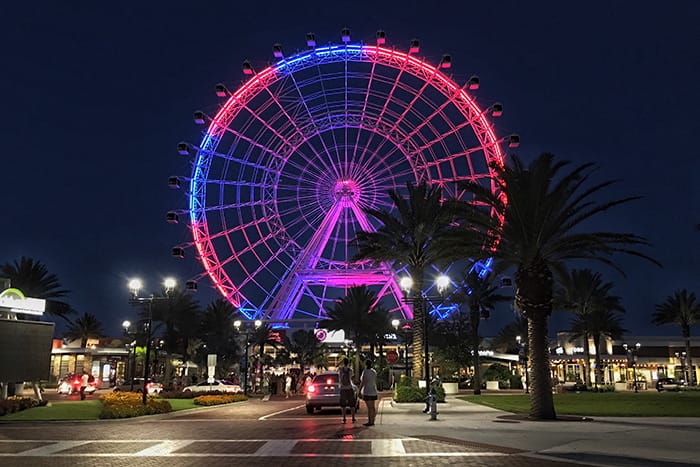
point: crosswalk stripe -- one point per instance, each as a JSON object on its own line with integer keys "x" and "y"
{"x": 392, "y": 447}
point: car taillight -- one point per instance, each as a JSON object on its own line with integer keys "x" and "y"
{"x": 311, "y": 388}
{"x": 329, "y": 381}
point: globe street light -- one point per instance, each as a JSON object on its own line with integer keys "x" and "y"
{"x": 132, "y": 350}
{"x": 406, "y": 284}
{"x": 632, "y": 360}
{"x": 237, "y": 324}
{"x": 522, "y": 352}
{"x": 135, "y": 285}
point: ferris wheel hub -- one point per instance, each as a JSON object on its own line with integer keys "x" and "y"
{"x": 346, "y": 191}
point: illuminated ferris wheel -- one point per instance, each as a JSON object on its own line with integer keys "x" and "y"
{"x": 294, "y": 156}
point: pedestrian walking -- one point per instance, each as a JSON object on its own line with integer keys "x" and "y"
{"x": 288, "y": 386}
{"x": 84, "y": 379}
{"x": 368, "y": 389}
{"x": 347, "y": 391}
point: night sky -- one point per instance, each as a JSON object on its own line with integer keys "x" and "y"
{"x": 96, "y": 96}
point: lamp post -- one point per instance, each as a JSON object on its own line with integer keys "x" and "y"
{"x": 522, "y": 352}
{"x": 632, "y": 360}
{"x": 135, "y": 285}
{"x": 680, "y": 356}
{"x": 132, "y": 351}
{"x": 406, "y": 284}
{"x": 237, "y": 324}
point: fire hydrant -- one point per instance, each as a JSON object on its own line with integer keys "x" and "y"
{"x": 431, "y": 400}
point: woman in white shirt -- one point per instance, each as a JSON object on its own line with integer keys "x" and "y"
{"x": 368, "y": 389}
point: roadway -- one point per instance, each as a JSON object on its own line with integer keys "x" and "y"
{"x": 280, "y": 432}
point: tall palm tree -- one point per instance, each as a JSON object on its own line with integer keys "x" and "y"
{"x": 176, "y": 311}
{"x": 601, "y": 322}
{"x": 217, "y": 334}
{"x": 352, "y": 315}
{"x": 308, "y": 349}
{"x": 681, "y": 309}
{"x": 583, "y": 292}
{"x": 507, "y": 338}
{"x": 260, "y": 338}
{"x": 84, "y": 327}
{"x": 414, "y": 236}
{"x": 34, "y": 280}
{"x": 481, "y": 295}
{"x": 540, "y": 214}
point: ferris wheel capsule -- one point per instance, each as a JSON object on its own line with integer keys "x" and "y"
{"x": 277, "y": 51}
{"x": 310, "y": 40}
{"x": 414, "y": 48}
{"x": 473, "y": 83}
{"x": 497, "y": 109}
{"x": 174, "y": 183}
{"x": 381, "y": 37}
{"x": 200, "y": 118}
{"x": 183, "y": 148}
{"x": 221, "y": 90}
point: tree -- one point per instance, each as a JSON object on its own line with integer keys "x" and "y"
{"x": 480, "y": 295}
{"x": 506, "y": 339}
{"x": 218, "y": 336}
{"x": 308, "y": 349}
{"x": 414, "y": 238}
{"x": 85, "y": 327}
{"x": 34, "y": 280}
{"x": 534, "y": 223}
{"x": 583, "y": 292}
{"x": 681, "y": 309}
{"x": 351, "y": 314}
{"x": 260, "y": 338}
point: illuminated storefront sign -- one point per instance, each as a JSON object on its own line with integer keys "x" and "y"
{"x": 14, "y": 301}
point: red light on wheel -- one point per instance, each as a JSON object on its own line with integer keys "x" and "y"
{"x": 311, "y": 388}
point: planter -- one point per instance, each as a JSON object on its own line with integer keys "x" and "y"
{"x": 450, "y": 388}
{"x": 492, "y": 385}
{"x": 620, "y": 386}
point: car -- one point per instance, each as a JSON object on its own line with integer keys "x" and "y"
{"x": 324, "y": 391}
{"x": 136, "y": 385}
{"x": 70, "y": 384}
{"x": 667, "y": 384}
{"x": 221, "y": 385}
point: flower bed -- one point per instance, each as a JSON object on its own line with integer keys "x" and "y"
{"x": 219, "y": 399}
{"x": 130, "y": 404}
{"x": 15, "y": 404}
{"x": 191, "y": 395}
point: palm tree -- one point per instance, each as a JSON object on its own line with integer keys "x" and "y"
{"x": 506, "y": 339}
{"x": 682, "y": 309}
{"x": 178, "y": 312}
{"x": 216, "y": 331}
{"x": 352, "y": 315}
{"x": 261, "y": 337}
{"x": 584, "y": 293}
{"x": 85, "y": 327}
{"x": 308, "y": 349}
{"x": 600, "y": 322}
{"x": 540, "y": 212}
{"x": 480, "y": 295}
{"x": 415, "y": 238}
{"x": 34, "y": 280}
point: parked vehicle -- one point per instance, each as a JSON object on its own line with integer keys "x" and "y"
{"x": 218, "y": 385}
{"x": 70, "y": 384}
{"x": 324, "y": 391}
{"x": 153, "y": 387}
{"x": 667, "y": 384}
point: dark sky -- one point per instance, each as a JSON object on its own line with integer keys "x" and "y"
{"x": 96, "y": 95}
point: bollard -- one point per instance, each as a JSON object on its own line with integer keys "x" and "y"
{"x": 432, "y": 402}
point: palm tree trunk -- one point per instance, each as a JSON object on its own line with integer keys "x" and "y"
{"x": 419, "y": 332}
{"x": 598, "y": 369}
{"x": 688, "y": 358}
{"x": 474, "y": 317}
{"x": 541, "y": 401}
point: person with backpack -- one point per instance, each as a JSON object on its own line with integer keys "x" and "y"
{"x": 347, "y": 390}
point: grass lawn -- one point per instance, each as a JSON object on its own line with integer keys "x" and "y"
{"x": 610, "y": 404}
{"x": 78, "y": 410}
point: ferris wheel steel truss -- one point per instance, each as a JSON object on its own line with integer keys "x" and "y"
{"x": 297, "y": 163}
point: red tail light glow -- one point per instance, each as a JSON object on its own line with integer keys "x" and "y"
{"x": 311, "y": 388}
{"x": 329, "y": 381}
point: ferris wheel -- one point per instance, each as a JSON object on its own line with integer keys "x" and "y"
{"x": 292, "y": 159}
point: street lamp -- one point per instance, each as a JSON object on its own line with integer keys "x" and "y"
{"x": 395, "y": 323}
{"x": 681, "y": 356}
{"x": 522, "y": 353}
{"x": 132, "y": 351}
{"x": 632, "y": 360}
{"x": 237, "y": 324}
{"x": 135, "y": 285}
{"x": 406, "y": 284}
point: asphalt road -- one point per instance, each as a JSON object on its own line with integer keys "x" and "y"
{"x": 253, "y": 433}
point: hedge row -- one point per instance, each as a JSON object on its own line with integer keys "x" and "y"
{"x": 15, "y": 404}
{"x": 190, "y": 394}
{"x": 219, "y": 399}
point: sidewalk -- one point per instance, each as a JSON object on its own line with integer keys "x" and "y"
{"x": 605, "y": 441}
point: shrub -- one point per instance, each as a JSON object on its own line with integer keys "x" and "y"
{"x": 130, "y": 404}
{"x": 208, "y": 400}
{"x": 412, "y": 393}
{"x": 191, "y": 395}
{"x": 16, "y": 404}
